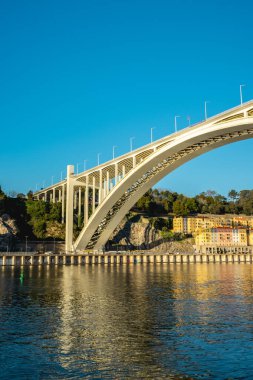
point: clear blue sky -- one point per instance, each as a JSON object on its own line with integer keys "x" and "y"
{"x": 78, "y": 77}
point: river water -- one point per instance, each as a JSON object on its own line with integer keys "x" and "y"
{"x": 168, "y": 321}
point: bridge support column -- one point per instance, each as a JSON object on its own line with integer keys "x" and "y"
{"x": 75, "y": 199}
{"x": 63, "y": 204}
{"x": 54, "y": 195}
{"x": 116, "y": 173}
{"x": 100, "y": 186}
{"x": 86, "y": 202}
{"x": 79, "y": 206}
{"x": 107, "y": 183}
{"x": 69, "y": 209}
{"x": 93, "y": 194}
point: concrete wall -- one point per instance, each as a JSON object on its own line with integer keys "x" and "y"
{"x": 21, "y": 259}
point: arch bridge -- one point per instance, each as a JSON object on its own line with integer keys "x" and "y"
{"x": 100, "y": 197}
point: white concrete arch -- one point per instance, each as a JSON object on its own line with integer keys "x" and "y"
{"x": 186, "y": 145}
{"x": 101, "y": 196}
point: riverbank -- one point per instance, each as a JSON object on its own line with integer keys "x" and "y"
{"x": 112, "y": 258}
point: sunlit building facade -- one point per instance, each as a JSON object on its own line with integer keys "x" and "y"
{"x": 222, "y": 237}
{"x": 191, "y": 225}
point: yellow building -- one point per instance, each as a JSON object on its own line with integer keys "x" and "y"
{"x": 190, "y": 225}
{"x": 223, "y": 237}
{"x": 250, "y": 237}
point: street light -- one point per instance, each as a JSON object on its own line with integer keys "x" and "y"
{"x": 241, "y": 86}
{"x": 43, "y": 185}
{"x": 189, "y": 120}
{"x": 52, "y": 180}
{"x": 99, "y": 154}
{"x": 77, "y": 168}
{"x": 151, "y": 133}
{"x": 61, "y": 175}
{"x": 26, "y": 243}
{"x": 131, "y": 143}
{"x": 206, "y": 109}
{"x": 113, "y": 151}
{"x": 175, "y": 120}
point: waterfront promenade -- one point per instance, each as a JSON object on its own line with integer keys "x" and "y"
{"x": 112, "y": 258}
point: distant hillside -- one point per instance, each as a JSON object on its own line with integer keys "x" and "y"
{"x": 40, "y": 220}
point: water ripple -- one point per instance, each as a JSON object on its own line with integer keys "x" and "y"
{"x": 137, "y": 322}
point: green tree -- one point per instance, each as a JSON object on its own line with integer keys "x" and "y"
{"x": 185, "y": 206}
{"x": 39, "y": 228}
{"x": 55, "y": 212}
{"x": 178, "y": 208}
{"x": 167, "y": 234}
{"x": 233, "y": 194}
{"x": 30, "y": 195}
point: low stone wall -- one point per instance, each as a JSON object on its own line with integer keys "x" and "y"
{"x": 233, "y": 249}
{"x": 19, "y": 259}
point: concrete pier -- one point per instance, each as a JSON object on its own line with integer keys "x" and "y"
{"x": 126, "y": 258}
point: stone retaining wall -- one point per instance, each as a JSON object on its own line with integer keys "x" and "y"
{"x": 18, "y": 259}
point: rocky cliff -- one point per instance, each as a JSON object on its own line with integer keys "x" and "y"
{"x": 139, "y": 233}
{"x": 8, "y": 232}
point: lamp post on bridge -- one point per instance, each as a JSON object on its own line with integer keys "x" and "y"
{"x": 206, "y": 102}
{"x": 52, "y": 180}
{"x": 113, "y": 151}
{"x": 175, "y": 120}
{"x": 151, "y": 134}
{"x": 98, "y": 156}
{"x": 131, "y": 143}
{"x": 189, "y": 120}
{"x": 241, "y": 86}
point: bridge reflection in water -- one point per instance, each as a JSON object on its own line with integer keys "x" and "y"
{"x": 138, "y": 321}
